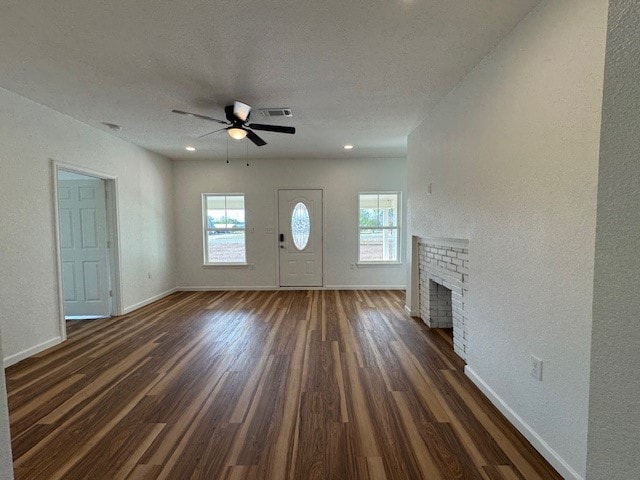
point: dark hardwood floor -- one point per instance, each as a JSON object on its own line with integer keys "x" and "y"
{"x": 260, "y": 385}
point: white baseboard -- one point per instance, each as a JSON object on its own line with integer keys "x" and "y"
{"x": 272, "y": 287}
{"x": 16, "y": 357}
{"x": 536, "y": 440}
{"x": 146, "y": 302}
{"x": 365, "y": 287}
{"x": 224, "y": 289}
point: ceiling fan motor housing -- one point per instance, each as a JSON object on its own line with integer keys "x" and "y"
{"x": 228, "y": 111}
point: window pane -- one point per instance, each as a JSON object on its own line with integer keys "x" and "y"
{"x": 235, "y": 211}
{"x": 390, "y": 245}
{"x": 235, "y": 218}
{"x": 235, "y": 202}
{"x": 388, "y": 209}
{"x": 226, "y": 246}
{"x": 215, "y": 202}
{"x": 379, "y": 245}
{"x": 369, "y": 211}
{"x": 216, "y": 219}
{"x": 225, "y": 211}
{"x": 215, "y": 211}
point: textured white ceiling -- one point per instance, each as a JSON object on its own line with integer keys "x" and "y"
{"x": 360, "y": 72}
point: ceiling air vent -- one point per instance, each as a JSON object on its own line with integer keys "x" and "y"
{"x": 276, "y": 112}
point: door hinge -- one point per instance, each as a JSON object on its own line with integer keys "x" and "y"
{"x": 110, "y": 293}
{"x": 108, "y": 243}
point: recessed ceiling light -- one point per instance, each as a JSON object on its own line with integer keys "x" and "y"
{"x": 190, "y": 149}
{"x": 348, "y": 147}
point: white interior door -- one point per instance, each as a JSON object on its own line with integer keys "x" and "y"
{"x": 300, "y": 237}
{"x": 83, "y": 245}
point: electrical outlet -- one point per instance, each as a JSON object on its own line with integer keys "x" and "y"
{"x": 252, "y": 266}
{"x": 352, "y": 266}
{"x": 536, "y": 368}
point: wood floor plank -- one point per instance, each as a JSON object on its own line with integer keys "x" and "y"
{"x": 43, "y": 398}
{"x": 339, "y": 376}
{"x": 425, "y": 460}
{"x": 375, "y": 468}
{"x": 179, "y": 460}
{"x": 520, "y": 462}
{"x": 180, "y": 418}
{"x": 282, "y": 458}
{"x": 260, "y": 385}
{"x": 360, "y": 410}
{"x": 145, "y": 472}
{"x": 267, "y": 416}
{"x": 96, "y": 425}
{"x": 501, "y": 472}
{"x": 133, "y": 458}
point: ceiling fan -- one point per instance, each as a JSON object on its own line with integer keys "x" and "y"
{"x": 237, "y": 118}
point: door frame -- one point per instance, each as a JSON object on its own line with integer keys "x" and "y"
{"x": 113, "y": 236}
{"x": 277, "y": 232}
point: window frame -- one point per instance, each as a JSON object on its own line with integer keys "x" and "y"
{"x": 398, "y": 227}
{"x": 206, "y": 229}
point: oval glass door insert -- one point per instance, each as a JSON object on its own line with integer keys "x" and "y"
{"x": 300, "y": 226}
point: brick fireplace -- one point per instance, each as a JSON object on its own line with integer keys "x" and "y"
{"x": 443, "y": 271}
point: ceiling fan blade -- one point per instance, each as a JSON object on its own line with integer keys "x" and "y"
{"x": 272, "y": 128}
{"x": 241, "y": 110}
{"x": 197, "y": 115}
{"x": 255, "y": 138}
{"x": 215, "y": 131}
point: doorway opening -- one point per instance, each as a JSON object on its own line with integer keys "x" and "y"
{"x": 87, "y": 245}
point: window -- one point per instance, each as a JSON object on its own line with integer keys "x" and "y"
{"x": 379, "y": 227}
{"x": 224, "y": 229}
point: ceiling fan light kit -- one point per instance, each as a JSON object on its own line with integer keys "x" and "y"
{"x": 237, "y": 117}
{"x": 237, "y": 133}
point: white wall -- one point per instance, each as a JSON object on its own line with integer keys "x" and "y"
{"x": 6, "y": 461}
{"x": 342, "y": 179}
{"x": 32, "y": 135}
{"x": 512, "y": 154}
{"x": 614, "y": 410}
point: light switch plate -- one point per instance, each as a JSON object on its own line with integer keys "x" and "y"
{"x": 536, "y": 368}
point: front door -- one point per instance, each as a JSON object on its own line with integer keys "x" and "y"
{"x": 300, "y": 237}
{"x": 83, "y": 245}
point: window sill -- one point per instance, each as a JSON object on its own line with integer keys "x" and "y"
{"x": 378, "y": 264}
{"x": 214, "y": 265}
